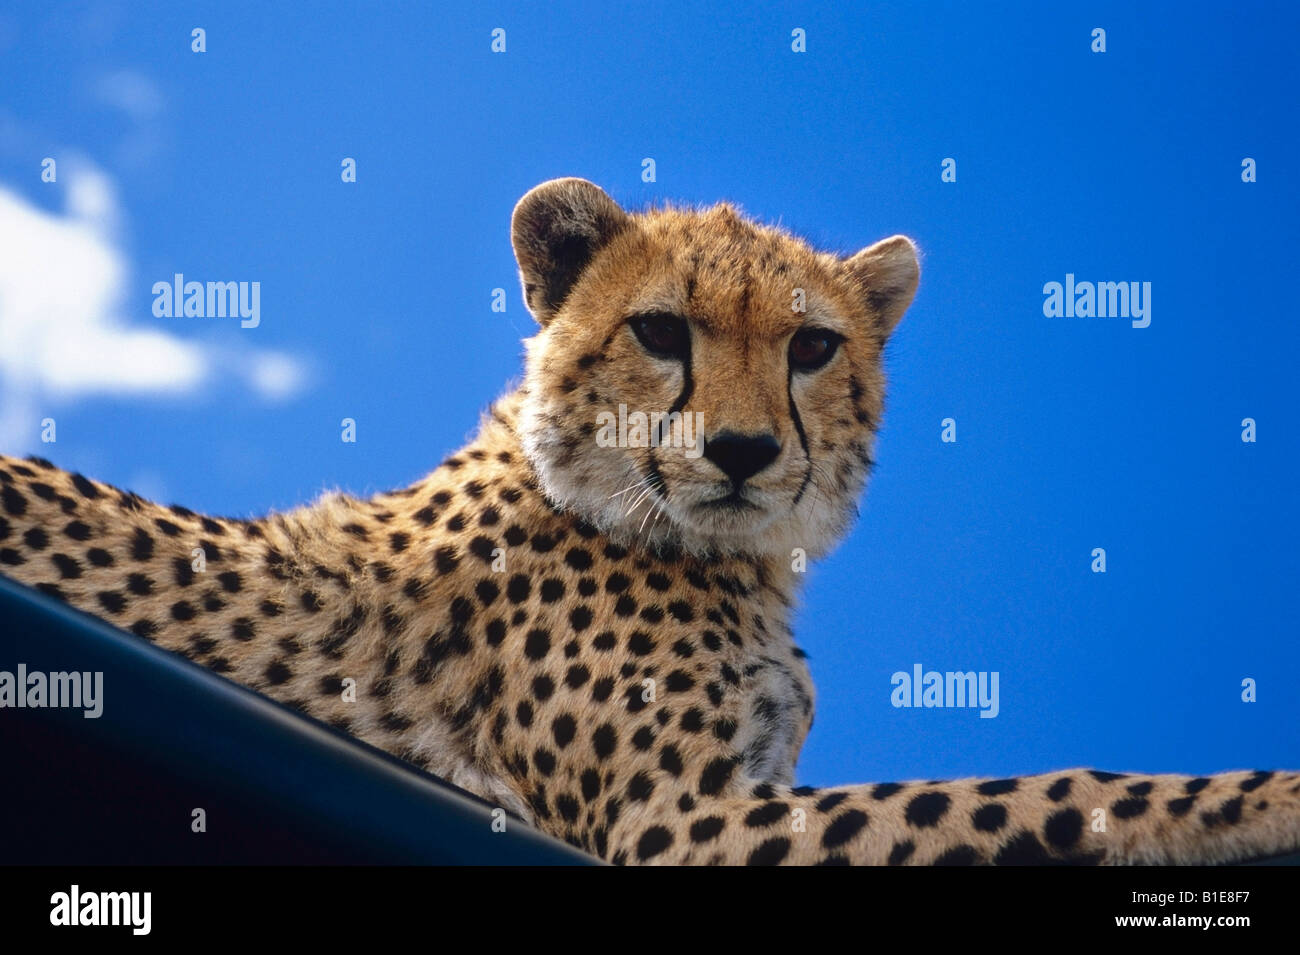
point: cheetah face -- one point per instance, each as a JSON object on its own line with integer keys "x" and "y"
{"x": 700, "y": 381}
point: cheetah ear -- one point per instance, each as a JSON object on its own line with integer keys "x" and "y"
{"x": 887, "y": 274}
{"x": 556, "y": 229}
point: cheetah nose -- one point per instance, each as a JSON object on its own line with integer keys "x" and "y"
{"x": 741, "y": 456}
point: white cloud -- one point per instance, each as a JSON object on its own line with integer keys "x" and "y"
{"x": 275, "y": 376}
{"x": 64, "y": 331}
{"x": 131, "y": 92}
{"x": 91, "y": 198}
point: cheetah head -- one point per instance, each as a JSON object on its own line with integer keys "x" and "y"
{"x": 700, "y": 381}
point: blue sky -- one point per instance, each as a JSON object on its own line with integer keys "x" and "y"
{"x": 1072, "y": 433}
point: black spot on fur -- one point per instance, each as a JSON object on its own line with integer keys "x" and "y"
{"x": 1063, "y": 828}
{"x": 640, "y": 643}
{"x": 990, "y": 817}
{"x": 524, "y": 714}
{"x": 518, "y": 589}
{"x": 670, "y": 761}
{"x": 1023, "y": 849}
{"x": 278, "y": 673}
{"x": 537, "y": 644}
{"x": 901, "y": 852}
{"x": 142, "y": 545}
{"x": 604, "y": 741}
{"x": 640, "y": 787}
{"x": 765, "y": 815}
{"x": 331, "y": 685}
{"x": 653, "y": 841}
{"x": 14, "y": 503}
{"x": 926, "y": 809}
{"x": 830, "y": 801}
{"x": 86, "y": 489}
{"x": 544, "y": 760}
{"x": 1231, "y": 810}
{"x": 681, "y": 611}
{"x": 1129, "y": 808}
{"x": 1104, "y": 777}
{"x": 958, "y": 855}
{"x": 139, "y": 584}
{"x": 563, "y": 729}
{"x": 1059, "y": 789}
{"x": 1255, "y": 781}
{"x": 678, "y": 681}
{"x": 716, "y": 775}
{"x": 843, "y": 828}
{"x": 69, "y": 568}
{"x": 707, "y": 829}
{"x": 112, "y": 601}
{"x": 771, "y": 852}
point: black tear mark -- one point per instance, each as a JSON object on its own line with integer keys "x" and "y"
{"x": 803, "y": 436}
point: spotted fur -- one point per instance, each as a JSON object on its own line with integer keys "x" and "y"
{"x": 584, "y": 635}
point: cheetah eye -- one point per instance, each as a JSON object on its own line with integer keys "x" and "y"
{"x": 813, "y": 347}
{"x": 664, "y": 336}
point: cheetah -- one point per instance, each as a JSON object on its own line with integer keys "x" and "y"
{"x": 596, "y": 637}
